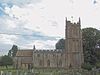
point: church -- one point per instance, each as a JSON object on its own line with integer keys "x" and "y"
{"x": 70, "y": 57}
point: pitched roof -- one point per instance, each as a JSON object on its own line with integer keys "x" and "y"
{"x": 26, "y": 60}
{"x": 24, "y": 53}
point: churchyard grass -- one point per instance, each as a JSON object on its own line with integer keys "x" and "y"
{"x": 46, "y": 71}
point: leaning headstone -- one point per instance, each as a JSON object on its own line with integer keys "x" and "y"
{"x": 32, "y": 71}
{"x": 1, "y": 73}
{"x": 97, "y": 72}
{"x": 21, "y": 73}
{"x": 17, "y": 72}
{"x": 10, "y": 73}
{"x": 6, "y": 73}
{"x": 25, "y": 73}
{"x": 78, "y": 73}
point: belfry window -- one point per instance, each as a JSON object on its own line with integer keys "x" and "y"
{"x": 38, "y": 55}
{"x": 40, "y": 63}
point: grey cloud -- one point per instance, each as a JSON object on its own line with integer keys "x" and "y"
{"x": 3, "y": 25}
{"x": 53, "y": 23}
{"x": 4, "y": 48}
{"x": 24, "y": 35}
{"x": 19, "y": 2}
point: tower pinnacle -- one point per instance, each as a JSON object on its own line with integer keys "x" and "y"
{"x": 34, "y": 47}
{"x": 79, "y": 21}
{"x": 66, "y": 22}
{"x": 66, "y": 19}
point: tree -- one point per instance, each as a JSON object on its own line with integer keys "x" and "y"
{"x": 90, "y": 37}
{"x": 9, "y": 53}
{"x": 6, "y": 60}
{"x": 0, "y": 61}
{"x": 98, "y": 64}
{"x": 13, "y": 51}
{"x": 60, "y": 44}
{"x": 87, "y": 66}
{"x": 98, "y": 50}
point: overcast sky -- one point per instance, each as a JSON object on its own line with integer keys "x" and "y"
{"x": 42, "y": 22}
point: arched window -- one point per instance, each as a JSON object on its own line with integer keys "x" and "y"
{"x": 46, "y": 55}
{"x": 48, "y": 63}
{"x": 38, "y": 55}
{"x": 60, "y": 63}
{"x": 40, "y": 63}
{"x": 70, "y": 66}
{"x": 61, "y": 54}
{"x": 53, "y": 55}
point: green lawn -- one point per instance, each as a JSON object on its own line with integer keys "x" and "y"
{"x": 44, "y": 71}
{"x": 10, "y": 68}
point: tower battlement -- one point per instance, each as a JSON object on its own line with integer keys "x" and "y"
{"x": 48, "y": 51}
{"x": 70, "y": 23}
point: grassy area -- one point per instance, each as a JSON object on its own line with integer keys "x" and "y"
{"x": 46, "y": 71}
{"x": 8, "y": 69}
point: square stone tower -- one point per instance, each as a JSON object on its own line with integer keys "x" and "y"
{"x": 73, "y": 45}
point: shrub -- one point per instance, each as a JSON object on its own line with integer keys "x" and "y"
{"x": 87, "y": 66}
{"x": 98, "y": 65}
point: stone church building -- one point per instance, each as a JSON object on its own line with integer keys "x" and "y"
{"x": 70, "y": 57}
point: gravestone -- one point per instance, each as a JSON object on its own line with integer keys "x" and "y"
{"x": 1, "y": 73}
{"x": 10, "y": 73}
{"x": 25, "y": 73}
{"x": 17, "y": 72}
